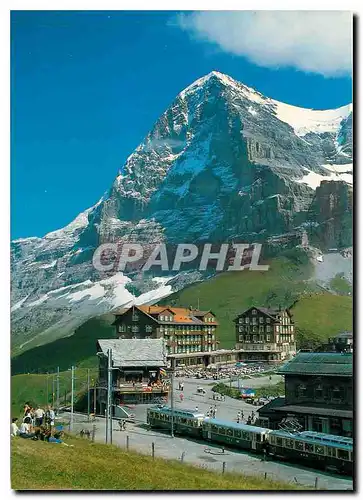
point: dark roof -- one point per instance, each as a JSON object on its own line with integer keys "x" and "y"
{"x": 135, "y": 352}
{"x": 272, "y": 405}
{"x": 319, "y": 363}
{"x": 316, "y": 410}
{"x": 343, "y": 335}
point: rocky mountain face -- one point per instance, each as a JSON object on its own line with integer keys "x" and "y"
{"x": 222, "y": 164}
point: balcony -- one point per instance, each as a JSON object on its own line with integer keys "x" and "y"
{"x": 258, "y": 347}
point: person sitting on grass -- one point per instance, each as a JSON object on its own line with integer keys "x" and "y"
{"x": 25, "y": 429}
{"x": 14, "y": 429}
{"x": 52, "y": 439}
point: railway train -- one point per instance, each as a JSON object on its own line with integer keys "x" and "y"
{"x": 314, "y": 449}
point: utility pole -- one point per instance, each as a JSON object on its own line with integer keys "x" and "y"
{"x": 72, "y": 401}
{"x": 47, "y": 396}
{"x": 53, "y": 390}
{"x": 88, "y": 396}
{"x": 107, "y": 413}
{"x": 110, "y": 393}
{"x": 57, "y": 390}
{"x": 94, "y": 398}
{"x": 172, "y": 396}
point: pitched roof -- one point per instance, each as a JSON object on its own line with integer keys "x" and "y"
{"x": 319, "y": 363}
{"x": 181, "y": 315}
{"x": 135, "y": 352}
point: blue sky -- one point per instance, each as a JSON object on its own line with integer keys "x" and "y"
{"x": 86, "y": 87}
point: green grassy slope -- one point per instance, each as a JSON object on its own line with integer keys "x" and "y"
{"x": 79, "y": 349}
{"x": 38, "y": 388}
{"x": 87, "y": 466}
{"x": 319, "y": 317}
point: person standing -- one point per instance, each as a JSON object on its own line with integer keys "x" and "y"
{"x": 39, "y": 416}
{"x": 242, "y": 415}
{"x": 181, "y": 397}
{"x": 196, "y": 409}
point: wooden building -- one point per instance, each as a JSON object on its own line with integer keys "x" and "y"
{"x": 318, "y": 394}
{"x": 343, "y": 342}
{"x": 186, "y": 331}
{"x": 265, "y": 334}
{"x": 138, "y": 366}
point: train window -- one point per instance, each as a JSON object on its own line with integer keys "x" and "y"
{"x": 279, "y": 441}
{"x": 309, "y": 447}
{"x": 330, "y": 451}
{"x": 222, "y": 431}
{"x": 343, "y": 454}
{"x": 246, "y": 435}
{"x": 258, "y": 438}
{"x": 299, "y": 445}
{"x": 319, "y": 449}
{"x": 183, "y": 420}
{"x": 289, "y": 443}
{"x": 229, "y": 432}
{"x": 272, "y": 439}
{"x": 237, "y": 434}
{"x": 214, "y": 428}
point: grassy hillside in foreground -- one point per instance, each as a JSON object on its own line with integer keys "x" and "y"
{"x": 91, "y": 466}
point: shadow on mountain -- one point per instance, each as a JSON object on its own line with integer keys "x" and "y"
{"x": 79, "y": 349}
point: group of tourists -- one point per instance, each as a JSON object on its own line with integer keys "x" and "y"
{"x": 250, "y": 420}
{"x": 36, "y": 423}
{"x": 212, "y": 412}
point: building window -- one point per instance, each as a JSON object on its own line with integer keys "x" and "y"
{"x": 148, "y": 328}
{"x": 247, "y": 320}
{"x": 261, "y": 319}
{"x": 301, "y": 390}
{"x": 268, "y": 337}
{"x": 241, "y": 329}
{"x": 319, "y": 392}
{"x": 122, "y": 328}
{"x": 254, "y": 311}
{"x": 135, "y": 329}
{"x": 268, "y": 320}
{"x": 337, "y": 393}
{"x": 240, "y": 320}
{"x": 268, "y": 328}
{"x": 277, "y": 328}
{"x": 135, "y": 316}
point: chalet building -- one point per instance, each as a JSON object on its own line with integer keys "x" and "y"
{"x": 187, "y": 332}
{"x": 265, "y": 334}
{"x": 318, "y": 394}
{"x": 343, "y": 342}
{"x": 138, "y": 371}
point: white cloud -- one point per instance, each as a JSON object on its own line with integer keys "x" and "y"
{"x": 311, "y": 41}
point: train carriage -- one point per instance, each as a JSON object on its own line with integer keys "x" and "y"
{"x": 243, "y": 436}
{"x": 186, "y": 422}
{"x": 323, "y": 451}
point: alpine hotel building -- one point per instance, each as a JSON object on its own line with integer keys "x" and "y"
{"x": 265, "y": 334}
{"x": 186, "y": 331}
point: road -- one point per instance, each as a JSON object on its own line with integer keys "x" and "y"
{"x": 141, "y": 439}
